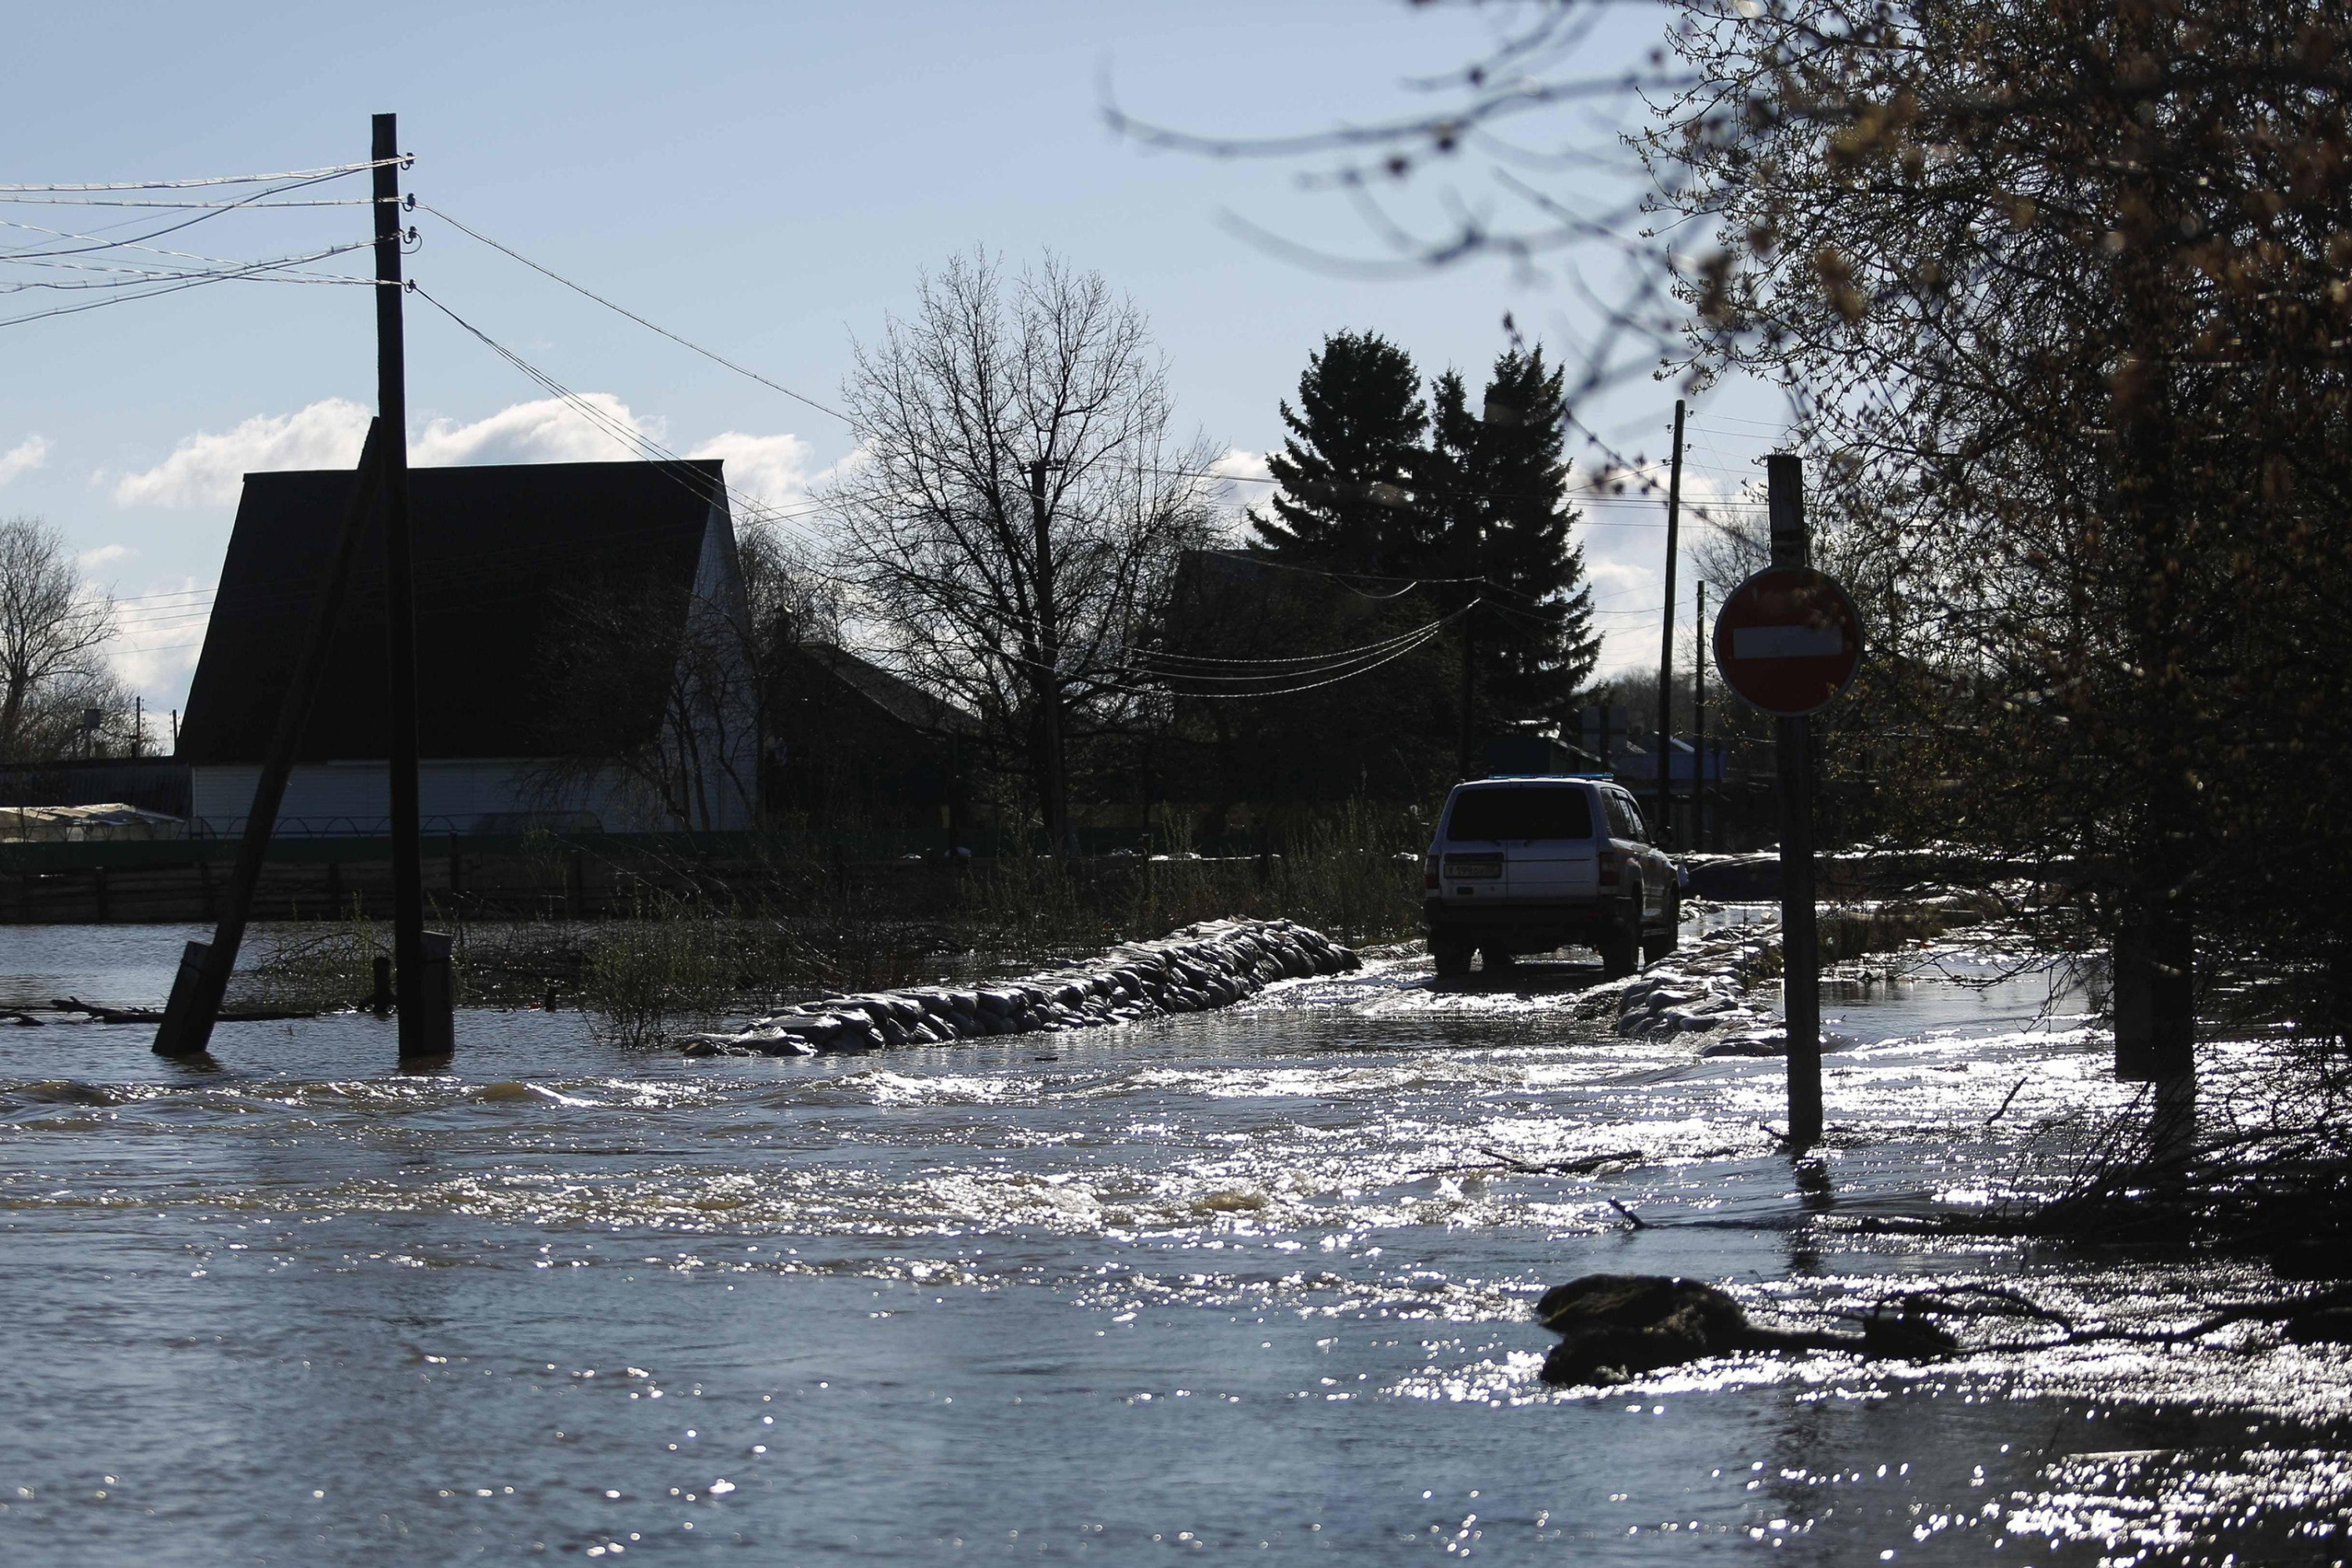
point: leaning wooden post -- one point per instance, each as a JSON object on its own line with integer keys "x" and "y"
{"x": 205, "y": 967}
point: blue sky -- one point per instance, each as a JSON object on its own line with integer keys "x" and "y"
{"x": 767, "y": 179}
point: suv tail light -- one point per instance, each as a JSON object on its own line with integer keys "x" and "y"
{"x": 1609, "y": 862}
{"x": 1429, "y": 871}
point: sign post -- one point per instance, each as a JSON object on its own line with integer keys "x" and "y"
{"x": 1788, "y": 641}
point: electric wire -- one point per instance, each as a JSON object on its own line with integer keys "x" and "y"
{"x": 1331, "y": 657}
{"x": 1333, "y": 680}
{"x": 711, "y": 355}
{"x": 28, "y": 255}
{"x": 249, "y": 203}
{"x": 226, "y": 275}
{"x": 205, "y": 217}
{"x": 275, "y": 269}
{"x": 627, "y": 436}
{"x": 305, "y": 175}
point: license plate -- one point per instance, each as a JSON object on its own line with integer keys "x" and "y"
{"x": 1461, "y": 866}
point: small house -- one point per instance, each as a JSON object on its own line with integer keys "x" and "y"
{"x": 580, "y": 656}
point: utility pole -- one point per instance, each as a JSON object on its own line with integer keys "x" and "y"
{"x": 417, "y": 1039}
{"x": 1477, "y": 556}
{"x": 1055, "y": 785}
{"x": 1801, "y": 988}
{"x": 1698, "y": 726}
{"x": 1469, "y": 653}
{"x": 1665, "y": 823}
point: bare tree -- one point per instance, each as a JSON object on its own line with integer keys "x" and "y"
{"x": 53, "y": 632}
{"x": 1020, "y": 503}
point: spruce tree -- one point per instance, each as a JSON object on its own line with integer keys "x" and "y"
{"x": 1349, "y": 467}
{"x": 1495, "y": 483}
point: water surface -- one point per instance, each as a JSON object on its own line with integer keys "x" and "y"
{"x": 1254, "y": 1280}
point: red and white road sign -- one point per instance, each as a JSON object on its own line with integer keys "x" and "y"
{"x": 1788, "y": 641}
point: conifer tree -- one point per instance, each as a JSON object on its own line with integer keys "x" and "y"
{"x": 1348, "y": 469}
{"x": 1494, "y": 484}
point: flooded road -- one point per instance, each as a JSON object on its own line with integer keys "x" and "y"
{"x": 1254, "y": 1280}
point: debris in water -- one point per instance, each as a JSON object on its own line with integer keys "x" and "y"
{"x": 1615, "y": 1327}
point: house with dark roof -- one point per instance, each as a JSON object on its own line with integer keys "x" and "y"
{"x": 853, "y": 743}
{"x": 580, "y": 662}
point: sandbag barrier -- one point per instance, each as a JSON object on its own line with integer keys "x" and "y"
{"x": 1212, "y": 965}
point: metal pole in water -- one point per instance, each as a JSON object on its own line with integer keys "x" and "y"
{"x": 1800, "y": 940}
{"x": 1665, "y": 823}
{"x": 1698, "y": 727}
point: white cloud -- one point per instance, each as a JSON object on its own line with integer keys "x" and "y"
{"x": 23, "y": 457}
{"x": 1624, "y": 539}
{"x": 770, "y": 469}
{"x": 159, "y": 636}
{"x": 206, "y": 470}
{"x": 1237, "y": 464}
{"x": 104, "y": 555}
{"x": 547, "y": 431}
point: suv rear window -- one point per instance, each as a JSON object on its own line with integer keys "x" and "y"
{"x": 1528, "y": 812}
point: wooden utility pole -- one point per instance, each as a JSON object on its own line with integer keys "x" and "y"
{"x": 418, "y": 1038}
{"x": 1476, "y": 558}
{"x": 1698, "y": 726}
{"x": 1665, "y": 822}
{"x": 1800, "y": 985}
{"x": 1469, "y": 692}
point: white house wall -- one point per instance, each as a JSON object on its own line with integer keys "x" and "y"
{"x": 456, "y": 795}
{"x": 730, "y": 739}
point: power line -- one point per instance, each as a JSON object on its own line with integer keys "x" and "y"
{"x": 255, "y": 270}
{"x": 1428, "y": 633}
{"x": 1268, "y": 561}
{"x": 1340, "y": 656}
{"x": 203, "y": 217}
{"x": 627, "y": 436}
{"x": 305, "y": 175}
{"x": 27, "y": 254}
{"x": 709, "y": 354}
{"x": 248, "y": 202}
{"x": 272, "y": 270}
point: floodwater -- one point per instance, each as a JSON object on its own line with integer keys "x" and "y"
{"x": 1246, "y": 1282}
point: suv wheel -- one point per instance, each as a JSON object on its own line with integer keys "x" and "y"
{"x": 1669, "y": 934}
{"x": 1621, "y": 948}
{"x": 1453, "y": 956}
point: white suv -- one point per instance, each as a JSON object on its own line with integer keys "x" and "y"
{"x": 1527, "y": 865}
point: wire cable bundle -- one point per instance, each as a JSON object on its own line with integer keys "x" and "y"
{"x": 129, "y": 274}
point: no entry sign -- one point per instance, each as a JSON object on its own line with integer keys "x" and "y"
{"x": 1788, "y": 641}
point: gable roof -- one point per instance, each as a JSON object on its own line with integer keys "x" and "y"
{"x": 901, "y": 699}
{"x": 502, "y": 557}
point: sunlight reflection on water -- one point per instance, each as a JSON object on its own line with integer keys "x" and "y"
{"x": 1214, "y": 1281}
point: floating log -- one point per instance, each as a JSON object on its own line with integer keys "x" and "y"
{"x": 155, "y": 1015}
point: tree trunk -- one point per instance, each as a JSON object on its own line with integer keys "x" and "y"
{"x": 2154, "y": 952}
